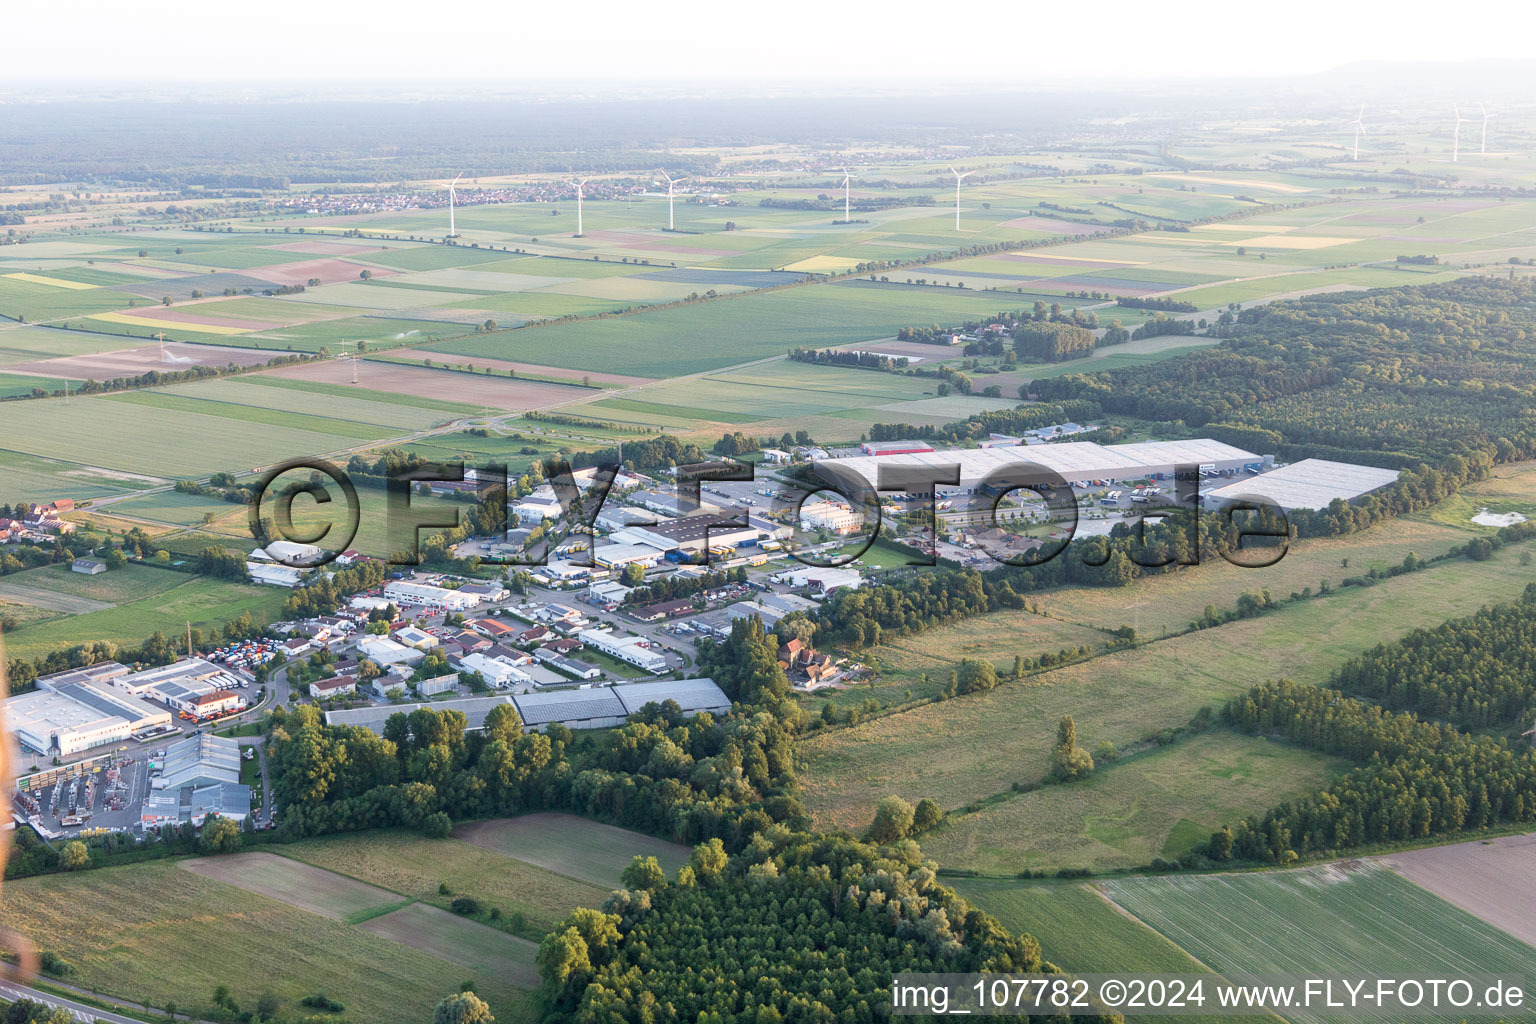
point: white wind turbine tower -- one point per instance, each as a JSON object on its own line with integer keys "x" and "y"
{"x": 1486, "y": 116}
{"x": 847, "y": 219}
{"x": 452, "y": 233}
{"x": 579, "y": 185}
{"x": 1456, "y": 137}
{"x": 958, "y": 178}
{"x": 671, "y": 226}
{"x": 1359, "y": 129}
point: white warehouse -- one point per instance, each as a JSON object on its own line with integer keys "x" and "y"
{"x": 625, "y": 648}
{"x": 402, "y": 592}
{"x": 1077, "y": 462}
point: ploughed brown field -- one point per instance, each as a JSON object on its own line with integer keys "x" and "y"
{"x": 1490, "y": 879}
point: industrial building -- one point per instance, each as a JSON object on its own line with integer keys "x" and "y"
{"x": 692, "y": 534}
{"x": 1081, "y": 463}
{"x": 1308, "y": 484}
{"x": 596, "y": 707}
{"x": 198, "y": 760}
{"x": 497, "y": 672}
{"x": 591, "y": 708}
{"x": 404, "y": 592}
{"x": 387, "y": 653}
{"x": 60, "y": 718}
{"x": 195, "y": 804}
{"x": 373, "y": 718}
{"x": 617, "y": 556}
{"x": 692, "y": 695}
{"x": 832, "y": 517}
{"x": 180, "y": 685}
{"x": 625, "y": 648}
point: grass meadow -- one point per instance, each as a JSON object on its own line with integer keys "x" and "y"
{"x": 198, "y": 933}
{"x": 1158, "y": 804}
{"x": 415, "y": 867}
{"x": 971, "y": 747}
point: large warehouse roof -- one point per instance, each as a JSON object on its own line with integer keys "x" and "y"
{"x": 1072, "y": 460}
{"x": 43, "y": 712}
{"x": 570, "y": 706}
{"x": 692, "y": 695}
{"x": 1310, "y": 484}
{"x": 199, "y": 760}
{"x": 474, "y": 708}
{"x": 101, "y": 672}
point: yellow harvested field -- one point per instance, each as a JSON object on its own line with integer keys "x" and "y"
{"x": 1272, "y": 186}
{"x": 1291, "y": 241}
{"x": 823, "y": 264}
{"x": 54, "y": 282}
{"x": 167, "y": 325}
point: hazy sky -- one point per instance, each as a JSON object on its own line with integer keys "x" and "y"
{"x": 565, "y": 43}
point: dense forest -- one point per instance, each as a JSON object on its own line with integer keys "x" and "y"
{"x": 1478, "y": 672}
{"x": 796, "y": 928}
{"x": 689, "y": 779}
{"x": 1388, "y": 377}
{"x": 1415, "y": 779}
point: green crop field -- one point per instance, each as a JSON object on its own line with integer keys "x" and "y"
{"x": 130, "y": 583}
{"x": 965, "y": 749}
{"x": 299, "y": 885}
{"x": 203, "y": 601}
{"x": 200, "y": 933}
{"x": 1126, "y": 814}
{"x": 24, "y": 343}
{"x": 1081, "y": 931}
{"x": 415, "y": 867}
{"x": 1349, "y": 919}
{"x": 577, "y": 847}
{"x": 736, "y": 329}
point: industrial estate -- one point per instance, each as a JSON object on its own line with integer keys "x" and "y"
{"x": 668, "y": 559}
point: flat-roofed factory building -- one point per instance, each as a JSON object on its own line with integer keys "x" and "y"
{"x": 1308, "y": 484}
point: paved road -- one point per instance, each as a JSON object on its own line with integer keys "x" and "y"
{"x": 11, "y": 991}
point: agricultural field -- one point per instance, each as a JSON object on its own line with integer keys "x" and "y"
{"x": 710, "y": 335}
{"x": 203, "y": 601}
{"x": 1081, "y": 931}
{"x": 1483, "y": 878}
{"x": 414, "y": 867}
{"x": 200, "y": 932}
{"x": 445, "y": 391}
{"x": 1159, "y": 804}
{"x": 1350, "y": 918}
{"x": 993, "y": 740}
{"x": 577, "y": 847}
{"x": 1171, "y": 601}
{"x": 61, "y": 584}
{"x": 298, "y": 885}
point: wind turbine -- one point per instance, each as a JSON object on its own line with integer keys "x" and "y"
{"x": 671, "y": 226}
{"x": 579, "y": 185}
{"x": 958, "y": 178}
{"x": 451, "y": 232}
{"x": 1456, "y": 136}
{"x": 1359, "y": 129}
{"x": 847, "y": 216}
{"x": 1486, "y": 116}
